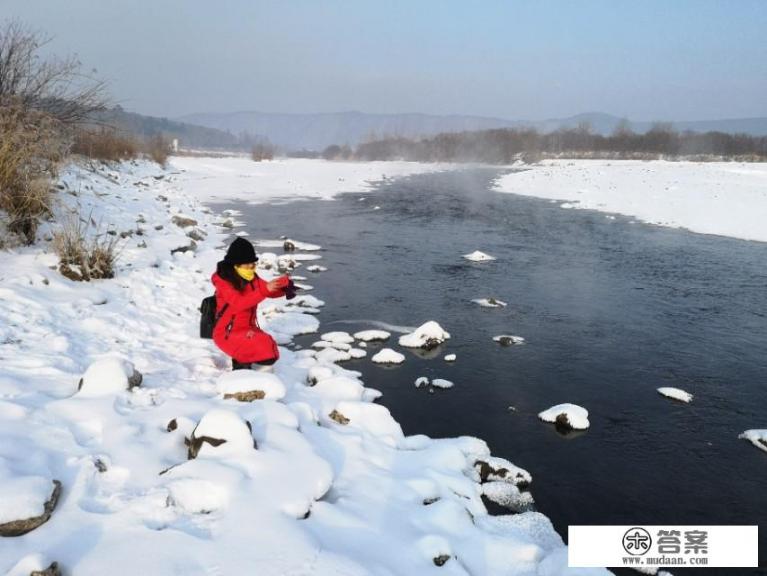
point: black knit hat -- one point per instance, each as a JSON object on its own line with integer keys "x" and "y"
{"x": 240, "y": 252}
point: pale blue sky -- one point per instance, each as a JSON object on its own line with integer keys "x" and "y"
{"x": 648, "y": 60}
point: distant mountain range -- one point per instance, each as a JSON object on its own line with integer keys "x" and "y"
{"x": 316, "y": 131}
{"x": 190, "y": 135}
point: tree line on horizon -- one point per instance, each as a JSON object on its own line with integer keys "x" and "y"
{"x": 507, "y": 145}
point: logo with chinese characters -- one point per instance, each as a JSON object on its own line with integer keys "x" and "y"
{"x": 637, "y": 541}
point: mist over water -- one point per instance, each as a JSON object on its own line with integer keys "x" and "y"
{"x": 611, "y": 310}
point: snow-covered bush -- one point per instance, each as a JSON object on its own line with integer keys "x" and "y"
{"x": 84, "y": 258}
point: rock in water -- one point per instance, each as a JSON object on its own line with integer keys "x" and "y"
{"x": 566, "y": 417}
{"x": 427, "y": 336}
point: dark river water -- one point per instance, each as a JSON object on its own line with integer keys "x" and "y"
{"x": 610, "y": 309}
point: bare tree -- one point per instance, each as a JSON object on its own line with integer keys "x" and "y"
{"x": 56, "y": 86}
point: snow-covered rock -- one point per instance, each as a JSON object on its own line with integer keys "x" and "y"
{"x": 373, "y": 419}
{"x": 241, "y": 384}
{"x": 757, "y": 437}
{"x": 332, "y": 354}
{"x": 23, "y": 496}
{"x": 441, "y": 383}
{"x": 219, "y": 434}
{"x": 428, "y": 335}
{"x": 675, "y": 394}
{"x": 388, "y": 356}
{"x": 567, "y": 416}
{"x": 450, "y": 357}
{"x": 317, "y": 373}
{"x": 490, "y": 302}
{"x": 340, "y": 337}
{"x": 478, "y": 256}
{"x": 507, "y": 495}
{"x": 508, "y": 339}
{"x": 421, "y": 381}
{"x": 108, "y": 376}
{"x": 372, "y": 335}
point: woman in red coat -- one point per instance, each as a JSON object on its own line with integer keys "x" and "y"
{"x": 238, "y": 293}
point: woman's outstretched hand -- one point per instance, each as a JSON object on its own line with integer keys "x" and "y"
{"x": 278, "y": 283}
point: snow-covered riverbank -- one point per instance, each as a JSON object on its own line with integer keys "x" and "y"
{"x": 724, "y": 198}
{"x": 281, "y": 180}
{"x": 293, "y": 490}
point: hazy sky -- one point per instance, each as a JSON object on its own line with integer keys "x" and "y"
{"x": 535, "y": 59}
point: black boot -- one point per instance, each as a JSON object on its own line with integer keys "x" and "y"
{"x": 240, "y": 365}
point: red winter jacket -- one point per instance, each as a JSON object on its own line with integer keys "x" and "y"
{"x": 237, "y": 332}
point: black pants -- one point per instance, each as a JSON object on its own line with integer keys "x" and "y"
{"x": 246, "y": 366}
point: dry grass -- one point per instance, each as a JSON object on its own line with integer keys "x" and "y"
{"x": 261, "y": 152}
{"x": 83, "y": 258}
{"x": 31, "y": 147}
{"x": 158, "y": 149}
{"x": 112, "y": 145}
{"x": 105, "y": 144}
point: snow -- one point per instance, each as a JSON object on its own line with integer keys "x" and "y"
{"x": 757, "y": 437}
{"x": 724, "y": 198}
{"x": 421, "y": 381}
{"x": 22, "y": 496}
{"x": 250, "y": 380}
{"x": 239, "y": 178}
{"x": 426, "y": 335}
{"x": 291, "y": 490}
{"x": 489, "y": 302}
{"x": 478, "y": 256}
{"x": 388, "y": 356}
{"x": 507, "y": 495}
{"x": 223, "y": 425}
{"x": 675, "y": 393}
{"x": 450, "y": 357}
{"x": 332, "y": 354}
{"x": 577, "y": 416}
{"x": 106, "y": 376}
{"x": 371, "y": 335}
{"x": 342, "y": 337}
{"x": 435, "y": 383}
{"x": 441, "y": 383}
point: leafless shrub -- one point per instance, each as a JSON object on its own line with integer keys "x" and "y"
{"x": 40, "y": 101}
{"x": 84, "y": 258}
{"x": 335, "y": 152}
{"x": 158, "y": 149}
{"x": 55, "y": 86}
{"x": 31, "y": 147}
{"x": 264, "y": 151}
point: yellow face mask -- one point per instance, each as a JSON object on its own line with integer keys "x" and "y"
{"x": 246, "y": 274}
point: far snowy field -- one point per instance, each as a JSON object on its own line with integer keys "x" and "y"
{"x": 724, "y": 198}
{"x": 240, "y": 178}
